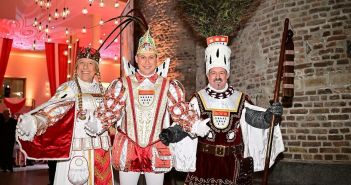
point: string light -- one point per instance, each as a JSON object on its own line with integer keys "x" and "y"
{"x": 84, "y": 30}
{"x": 116, "y": 4}
{"x": 40, "y": 27}
{"x": 101, "y": 4}
{"x": 34, "y": 45}
{"x": 85, "y": 11}
{"x": 67, "y": 32}
{"x": 101, "y": 22}
{"x": 49, "y": 18}
{"x": 90, "y": 2}
{"x": 46, "y": 28}
{"x": 35, "y": 22}
{"x": 56, "y": 14}
{"x": 48, "y": 4}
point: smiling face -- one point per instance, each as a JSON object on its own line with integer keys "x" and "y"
{"x": 217, "y": 78}
{"x": 86, "y": 69}
{"x": 147, "y": 63}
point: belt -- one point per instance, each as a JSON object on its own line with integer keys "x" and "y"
{"x": 90, "y": 143}
{"x": 219, "y": 150}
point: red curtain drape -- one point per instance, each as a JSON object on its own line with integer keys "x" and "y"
{"x": 50, "y": 62}
{"x": 4, "y": 58}
{"x": 62, "y": 62}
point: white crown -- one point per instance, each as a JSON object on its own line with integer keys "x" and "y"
{"x": 217, "y": 53}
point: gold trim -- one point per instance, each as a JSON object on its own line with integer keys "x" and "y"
{"x": 91, "y": 174}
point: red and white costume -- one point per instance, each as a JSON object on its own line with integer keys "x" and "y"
{"x": 82, "y": 159}
{"x": 143, "y": 107}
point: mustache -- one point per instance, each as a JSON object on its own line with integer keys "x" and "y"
{"x": 218, "y": 80}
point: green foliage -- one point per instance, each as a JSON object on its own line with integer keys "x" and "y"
{"x": 215, "y": 17}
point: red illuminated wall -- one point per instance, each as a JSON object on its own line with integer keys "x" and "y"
{"x": 32, "y": 66}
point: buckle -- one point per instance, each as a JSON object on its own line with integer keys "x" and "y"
{"x": 220, "y": 150}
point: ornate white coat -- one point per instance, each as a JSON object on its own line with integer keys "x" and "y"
{"x": 77, "y": 164}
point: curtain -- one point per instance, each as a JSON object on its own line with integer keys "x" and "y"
{"x": 62, "y": 62}
{"x": 50, "y": 62}
{"x": 14, "y": 104}
{"x": 4, "y": 57}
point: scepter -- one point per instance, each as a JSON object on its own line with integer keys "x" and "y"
{"x": 287, "y": 61}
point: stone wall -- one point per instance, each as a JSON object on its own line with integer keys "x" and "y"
{"x": 317, "y": 127}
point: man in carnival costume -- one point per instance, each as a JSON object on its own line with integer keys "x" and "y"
{"x": 142, "y": 103}
{"x": 238, "y": 128}
{"x": 65, "y": 128}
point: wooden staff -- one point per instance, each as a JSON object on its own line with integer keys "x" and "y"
{"x": 275, "y": 100}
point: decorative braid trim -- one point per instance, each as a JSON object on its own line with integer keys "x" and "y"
{"x": 220, "y": 95}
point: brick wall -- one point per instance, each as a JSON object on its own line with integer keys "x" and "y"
{"x": 317, "y": 127}
{"x": 173, "y": 40}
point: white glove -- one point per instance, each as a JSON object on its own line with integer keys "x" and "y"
{"x": 93, "y": 126}
{"x": 200, "y": 128}
{"x": 26, "y": 127}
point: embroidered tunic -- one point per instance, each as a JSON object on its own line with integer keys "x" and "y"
{"x": 230, "y": 138}
{"x": 143, "y": 107}
{"x": 217, "y": 153}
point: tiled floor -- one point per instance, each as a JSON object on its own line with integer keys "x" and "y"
{"x": 31, "y": 175}
{"x": 38, "y": 175}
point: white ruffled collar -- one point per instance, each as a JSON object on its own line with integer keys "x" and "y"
{"x": 84, "y": 84}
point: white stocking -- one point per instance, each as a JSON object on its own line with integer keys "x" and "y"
{"x": 154, "y": 178}
{"x": 128, "y": 178}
